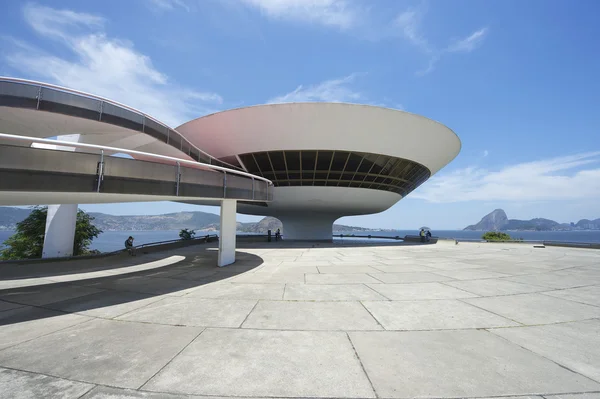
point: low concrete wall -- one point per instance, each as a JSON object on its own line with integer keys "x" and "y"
{"x": 432, "y": 240}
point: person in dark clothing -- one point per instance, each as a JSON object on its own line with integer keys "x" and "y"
{"x": 129, "y": 246}
{"x": 428, "y": 235}
{"x": 277, "y": 235}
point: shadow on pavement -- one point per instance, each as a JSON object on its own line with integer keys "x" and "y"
{"x": 90, "y": 296}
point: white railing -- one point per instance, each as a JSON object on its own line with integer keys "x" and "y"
{"x": 99, "y": 98}
{"x": 103, "y": 148}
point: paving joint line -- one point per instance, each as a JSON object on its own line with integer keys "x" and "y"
{"x": 489, "y": 311}
{"x": 362, "y": 366}
{"x": 377, "y": 292}
{"x": 248, "y": 315}
{"x": 173, "y": 358}
{"x": 371, "y": 314}
{"x": 543, "y": 357}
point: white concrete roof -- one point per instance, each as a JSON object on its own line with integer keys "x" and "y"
{"x": 324, "y": 126}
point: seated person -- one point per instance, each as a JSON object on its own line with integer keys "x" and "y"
{"x": 129, "y": 246}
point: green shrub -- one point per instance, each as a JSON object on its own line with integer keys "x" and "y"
{"x": 28, "y": 241}
{"x": 496, "y": 236}
{"x": 186, "y": 234}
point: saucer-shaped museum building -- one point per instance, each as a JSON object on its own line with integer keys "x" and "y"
{"x": 326, "y": 160}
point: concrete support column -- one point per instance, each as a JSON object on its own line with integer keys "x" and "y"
{"x": 60, "y": 231}
{"x": 307, "y": 226}
{"x": 227, "y": 232}
{"x": 60, "y": 222}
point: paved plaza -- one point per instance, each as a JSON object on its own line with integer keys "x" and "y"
{"x": 306, "y": 320}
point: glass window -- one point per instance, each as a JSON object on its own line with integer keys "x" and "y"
{"x": 324, "y": 160}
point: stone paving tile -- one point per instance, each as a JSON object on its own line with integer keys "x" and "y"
{"x": 301, "y": 263}
{"x": 414, "y": 291}
{"x": 22, "y": 324}
{"x": 535, "y": 308}
{"x": 574, "y": 345}
{"x": 409, "y": 277}
{"x": 284, "y": 363}
{"x": 310, "y": 316}
{"x": 193, "y": 312}
{"x": 589, "y": 295}
{"x": 105, "y": 304}
{"x": 346, "y": 269}
{"x": 26, "y": 282}
{"x": 274, "y": 270}
{"x": 42, "y": 295}
{"x": 340, "y": 292}
{"x": 563, "y": 279}
{"x": 474, "y": 274}
{"x": 400, "y": 268}
{"x": 239, "y": 291}
{"x": 350, "y": 278}
{"x": 16, "y": 384}
{"x": 594, "y": 395}
{"x": 105, "y": 352}
{"x": 194, "y": 274}
{"x": 433, "y": 315}
{"x": 464, "y": 363}
{"x": 146, "y": 285}
{"x": 8, "y": 305}
{"x": 515, "y": 269}
{"x": 494, "y": 287}
{"x": 453, "y": 265}
{"x": 101, "y": 392}
{"x": 269, "y": 278}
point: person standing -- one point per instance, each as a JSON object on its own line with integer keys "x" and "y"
{"x": 422, "y": 235}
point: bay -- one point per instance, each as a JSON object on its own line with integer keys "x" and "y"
{"x": 114, "y": 240}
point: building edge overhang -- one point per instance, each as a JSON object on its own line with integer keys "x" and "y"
{"x": 432, "y": 144}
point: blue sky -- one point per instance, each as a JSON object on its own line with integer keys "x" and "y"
{"x": 516, "y": 80}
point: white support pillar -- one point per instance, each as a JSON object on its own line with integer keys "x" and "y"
{"x": 306, "y": 226}
{"x": 227, "y": 232}
{"x": 60, "y": 222}
{"x": 60, "y": 231}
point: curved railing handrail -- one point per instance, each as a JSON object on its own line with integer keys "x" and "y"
{"x": 131, "y": 152}
{"x": 107, "y": 100}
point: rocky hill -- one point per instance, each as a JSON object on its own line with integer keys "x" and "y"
{"x": 497, "y": 220}
{"x": 493, "y": 221}
{"x": 9, "y": 217}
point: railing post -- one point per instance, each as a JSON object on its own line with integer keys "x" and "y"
{"x": 253, "y": 188}
{"x": 267, "y": 192}
{"x": 101, "y": 110}
{"x": 178, "y": 178}
{"x": 39, "y": 97}
{"x": 224, "y": 184}
{"x": 100, "y": 169}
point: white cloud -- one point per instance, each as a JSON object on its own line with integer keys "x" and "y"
{"x": 469, "y": 43}
{"x": 335, "y": 90}
{"x": 342, "y": 14}
{"x": 167, "y": 5}
{"x": 485, "y": 153}
{"x": 545, "y": 180}
{"x": 104, "y": 66}
{"x": 408, "y": 22}
{"x": 409, "y": 25}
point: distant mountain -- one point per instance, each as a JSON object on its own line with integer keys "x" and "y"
{"x": 493, "y": 221}
{"x": 169, "y": 221}
{"x": 9, "y": 217}
{"x": 497, "y": 220}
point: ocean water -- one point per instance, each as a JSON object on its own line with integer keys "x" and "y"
{"x": 114, "y": 240}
